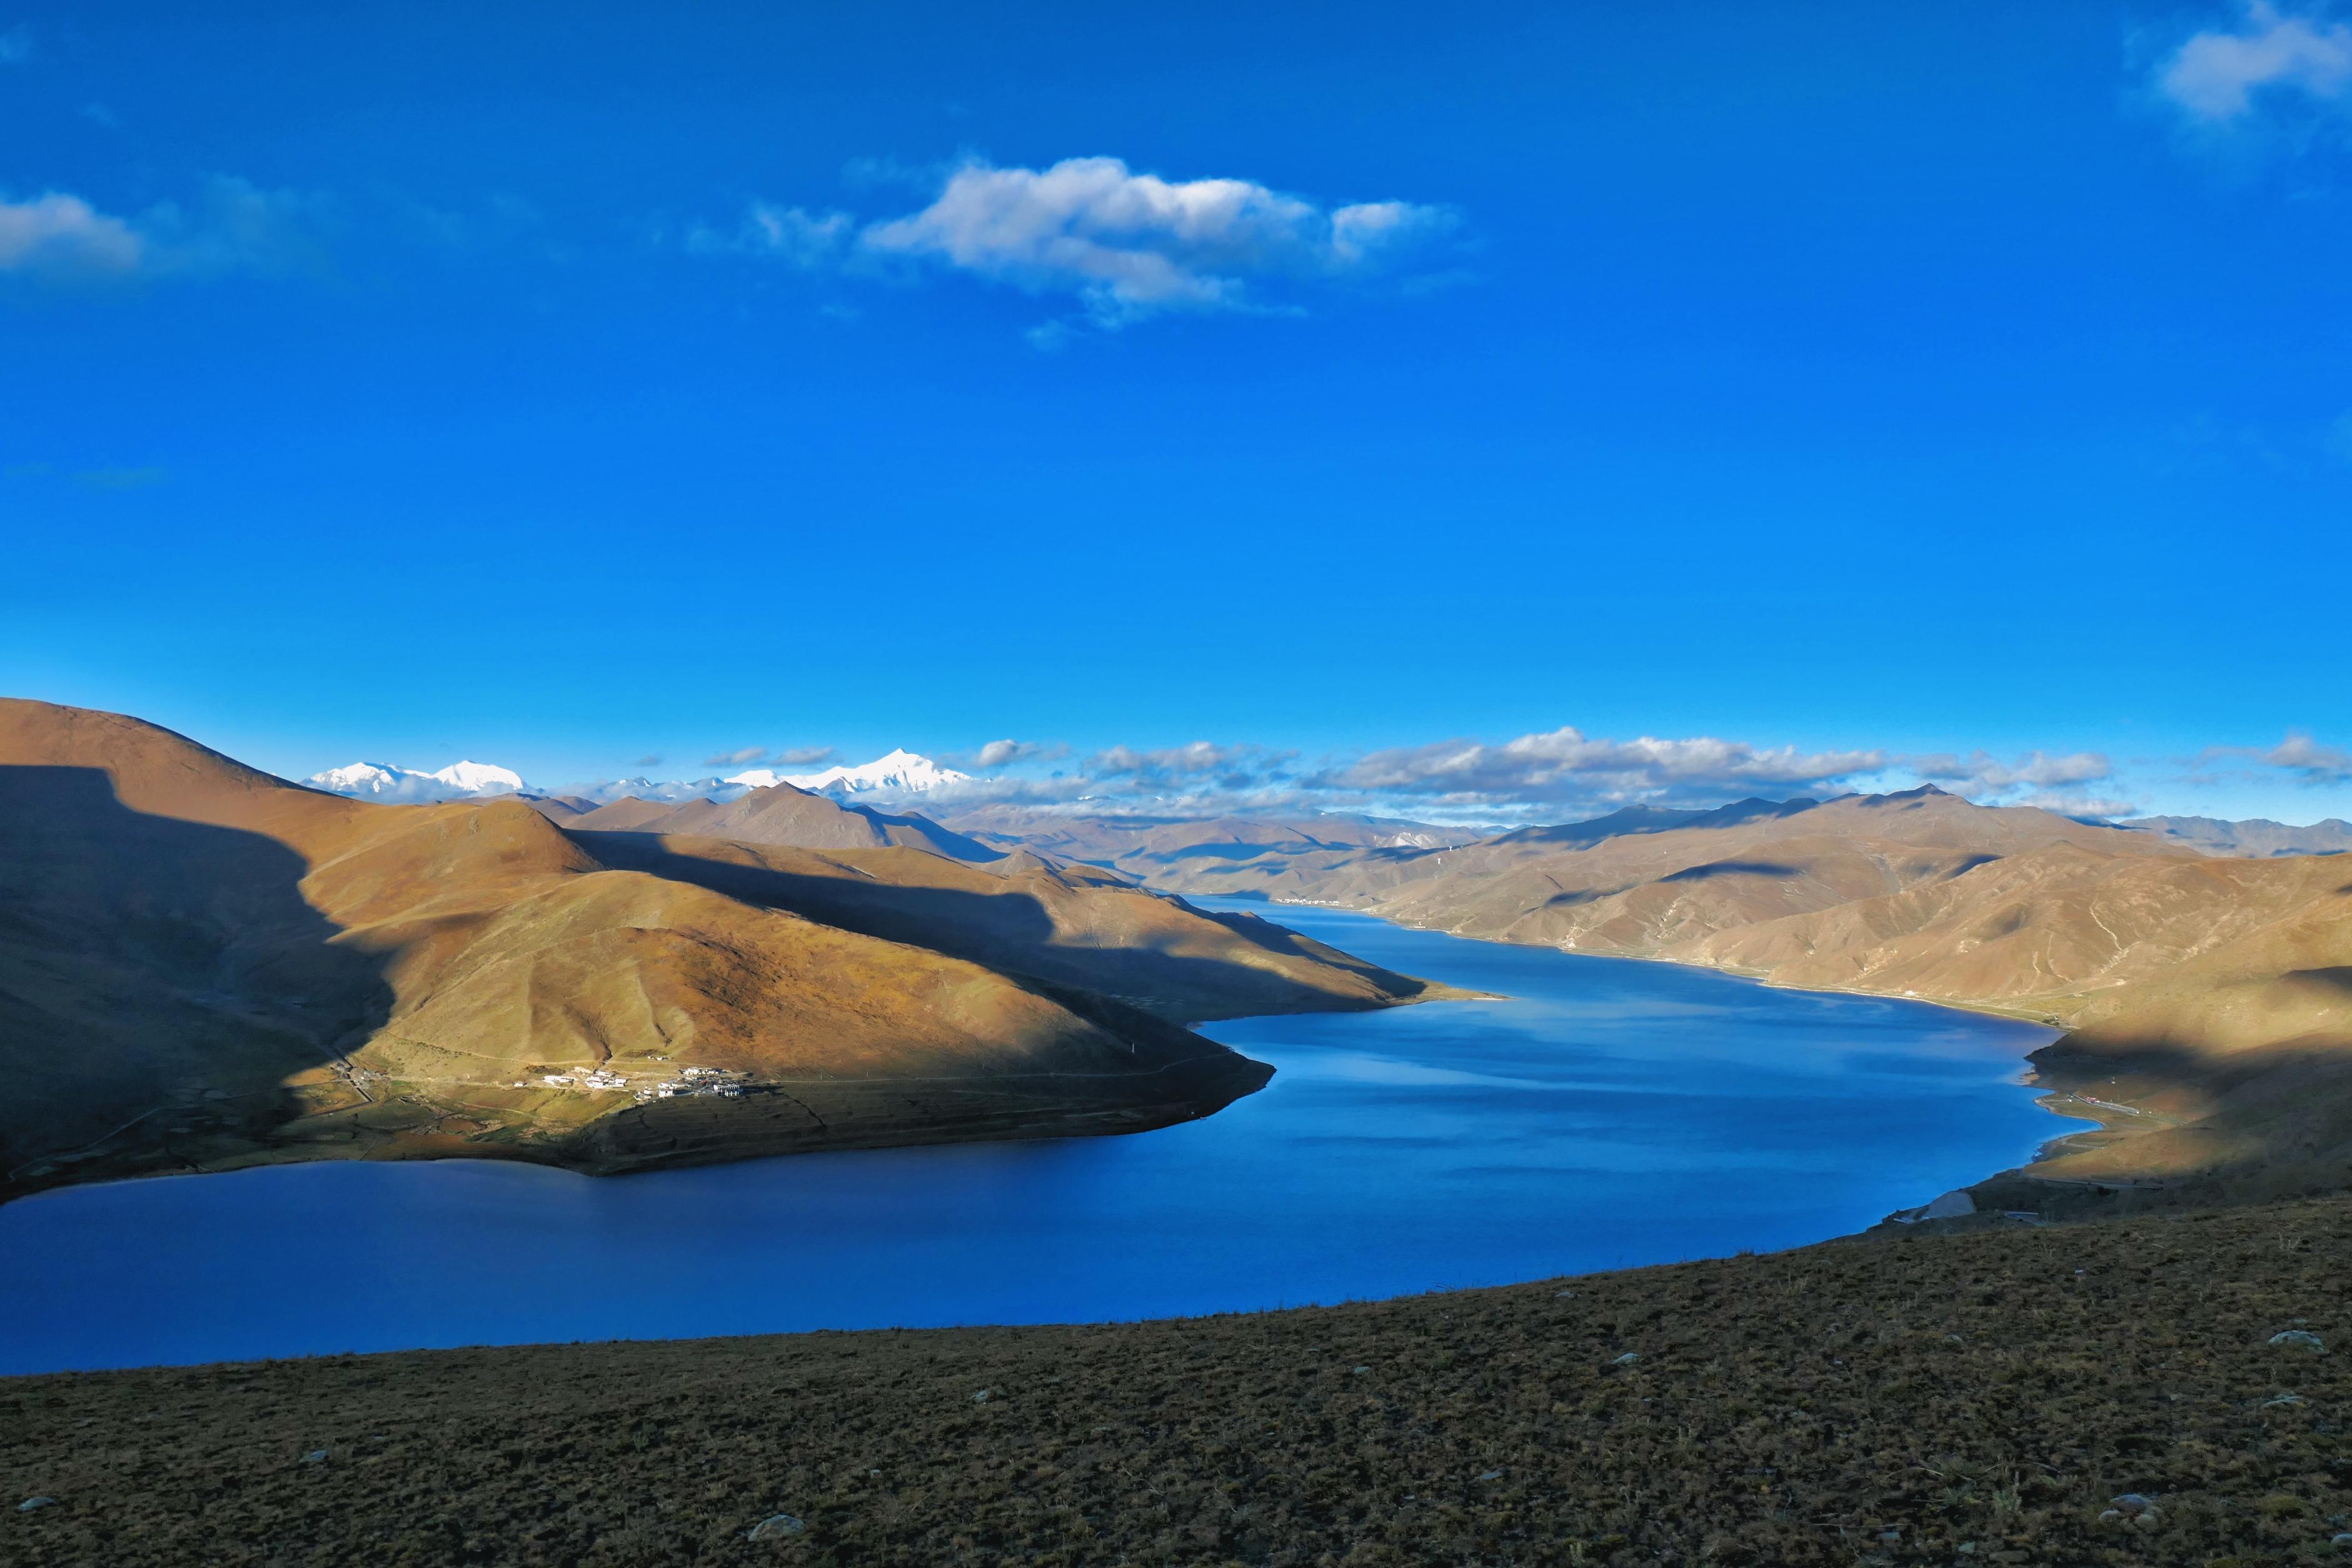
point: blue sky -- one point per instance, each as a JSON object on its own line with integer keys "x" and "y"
{"x": 1826, "y": 394}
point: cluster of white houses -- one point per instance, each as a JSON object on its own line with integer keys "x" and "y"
{"x": 716, "y": 1082}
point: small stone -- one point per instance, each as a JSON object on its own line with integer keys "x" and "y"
{"x": 1628, "y": 1359}
{"x": 30, "y": 1503}
{"x": 2299, "y": 1339}
{"x": 315, "y": 1456}
{"x": 1492, "y": 1476}
{"x": 2342, "y": 1540}
{"x": 775, "y": 1527}
{"x": 1562, "y": 1295}
{"x": 2282, "y": 1399}
{"x": 2111, "y": 1516}
{"x": 2131, "y": 1503}
{"x": 1357, "y": 1371}
{"x": 981, "y": 1398}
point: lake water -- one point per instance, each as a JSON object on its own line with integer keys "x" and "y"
{"x": 1611, "y": 1113}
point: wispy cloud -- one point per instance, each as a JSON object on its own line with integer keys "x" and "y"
{"x": 2216, "y": 75}
{"x": 1123, "y": 245}
{"x": 2299, "y": 756}
{"x": 784, "y": 757}
{"x": 1004, "y": 754}
{"x": 15, "y": 45}
{"x": 791, "y": 234}
{"x": 1565, "y": 765}
{"x": 231, "y": 226}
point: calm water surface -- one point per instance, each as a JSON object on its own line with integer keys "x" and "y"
{"x": 1611, "y": 1112}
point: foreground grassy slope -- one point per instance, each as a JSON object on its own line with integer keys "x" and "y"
{"x": 1933, "y": 1399}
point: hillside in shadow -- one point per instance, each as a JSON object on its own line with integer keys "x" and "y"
{"x": 160, "y": 980}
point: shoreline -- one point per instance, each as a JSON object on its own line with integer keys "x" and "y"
{"x": 2108, "y": 1118}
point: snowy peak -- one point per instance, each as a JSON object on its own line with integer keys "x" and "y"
{"x": 900, "y": 772}
{"x": 407, "y": 787}
{"x": 361, "y": 779}
{"x": 479, "y": 778}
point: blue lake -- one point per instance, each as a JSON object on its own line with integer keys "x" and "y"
{"x": 1609, "y": 1113}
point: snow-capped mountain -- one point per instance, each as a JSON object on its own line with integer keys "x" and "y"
{"x": 481, "y": 778}
{"x": 605, "y": 791}
{"x": 900, "y": 772}
{"x": 407, "y": 787}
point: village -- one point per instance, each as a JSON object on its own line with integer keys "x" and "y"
{"x": 716, "y": 1083}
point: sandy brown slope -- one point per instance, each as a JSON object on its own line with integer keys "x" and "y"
{"x": 202, "y": 966}
{"x": 781, "y": 814}
{"x": 2210, "y": 997}
{"x": 1064, "y": 925}
{"x": 1223, "y": 854}
{"x": 1973, "y": 1399}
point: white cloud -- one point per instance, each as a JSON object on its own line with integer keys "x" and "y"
{"x": 1128, "y": 245}
{"x": 60, "y": 235}
{"x": 1564, "y": 765}
{"x": 1198, "y": 757}
{"x": 1003, "y": 753}
{"x": 2299, "y": 755}
{"x": 1979, "y": 773}
{"x": 736, "y": 758}
{"x": 231, "y": 226}
{"x": 2215, "y": 74}
{"x": 1124, "y": 245}
{"x": 16, "y": 45}
{"x": 2078, "y": 804}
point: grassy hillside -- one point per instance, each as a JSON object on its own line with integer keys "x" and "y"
{"x": 203, "y": 966}
{"x": 1973, "y": 1398}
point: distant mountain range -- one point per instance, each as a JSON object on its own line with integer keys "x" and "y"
{"x": 900, "y": 772}
{"x": 2256, "y": 838}
{"x": 406, "y": 786}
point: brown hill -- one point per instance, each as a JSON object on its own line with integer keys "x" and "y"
{"x": 781, "y": 814}
{"x": 1225, "y": 854}
{"x": 203, "y": 966}
{"x": 1063, "y": 924}
{"x": 2211, "y": 998}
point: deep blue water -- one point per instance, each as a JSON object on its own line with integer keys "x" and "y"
{"x": 1611, "y": 1112}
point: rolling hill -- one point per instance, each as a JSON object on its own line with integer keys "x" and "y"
{"x": 203, "y": 966}
{"x": 784, "y": 813}
{"x": 2208, "y": 999}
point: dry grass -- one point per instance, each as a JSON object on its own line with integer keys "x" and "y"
{"x": 1963, "y": 1399}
